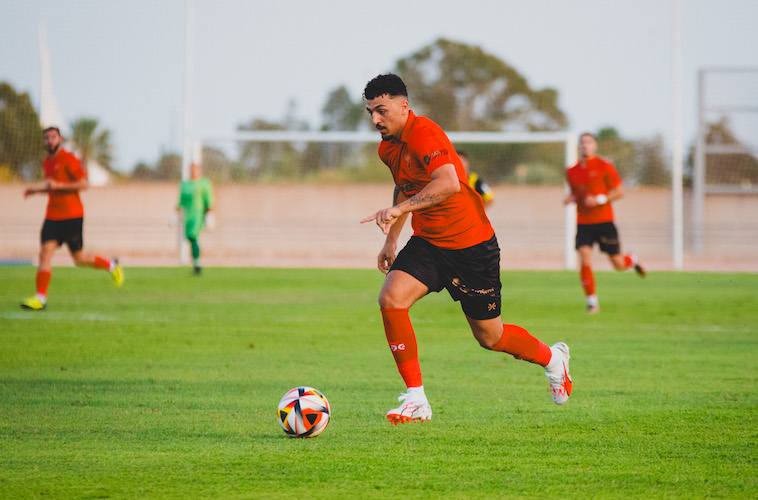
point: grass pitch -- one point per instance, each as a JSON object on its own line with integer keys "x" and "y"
{"x": 168, "y": 388}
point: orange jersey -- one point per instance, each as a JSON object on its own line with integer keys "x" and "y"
{"x": 457, "y": 222}
{"x": 63, "y": 166}
{"x": 591, "y": 177}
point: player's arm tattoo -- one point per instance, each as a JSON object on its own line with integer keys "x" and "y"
{"x": 425, "y": 199}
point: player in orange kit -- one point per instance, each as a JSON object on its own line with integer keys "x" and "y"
{"x": 64, "y": 178}
{"x": 453, "y": 246}
{"x": 594, "y": 184}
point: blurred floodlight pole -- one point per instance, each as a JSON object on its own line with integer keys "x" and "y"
{"x": 187, "y": 92}
{"x": 677, "y": 153}
{"x": 187, "y": 144}
{"x": 569, "y": 212}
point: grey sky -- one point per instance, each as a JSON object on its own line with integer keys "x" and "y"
{"x": 122, "y": 62}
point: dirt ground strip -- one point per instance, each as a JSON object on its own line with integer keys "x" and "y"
{"x": 317, "y": 226}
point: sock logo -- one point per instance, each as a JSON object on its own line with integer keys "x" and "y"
{"x": 397, "y": 347}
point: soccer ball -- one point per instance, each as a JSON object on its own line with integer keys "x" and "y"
{"x": 303, "y": 412}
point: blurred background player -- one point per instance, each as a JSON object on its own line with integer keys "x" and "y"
{"x": 476, "y": 182}
{"x": 64, "y": 218}
{"x": 594, "y": 185}
{"x": 453, "y": 246}
{"x": 195, "y": 201}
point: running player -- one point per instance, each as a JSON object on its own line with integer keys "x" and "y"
{"x": 196, "y": 201}
{"x": 64, "y": 178}
{"x": 594, "y": 184}
{"x": 476, "y": 182}
{"x": 453, "y": 246}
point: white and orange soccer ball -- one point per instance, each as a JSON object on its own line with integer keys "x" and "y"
{"x": 303, "y": 412}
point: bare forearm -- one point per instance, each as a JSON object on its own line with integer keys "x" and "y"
{"x": 437, "y": 191}
{"x": 70, "y": 186}
{"x": 615, "y": 194}
{"x": 397, "y": 227}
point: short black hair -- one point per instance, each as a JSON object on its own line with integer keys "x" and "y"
{"x": 48, "y": 129}
{"x": 389, "y": 84}
{"x": 461, "y": 153}
{"x": 594, "y": 137}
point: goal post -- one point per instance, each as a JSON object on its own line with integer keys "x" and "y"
{"x": 726, "y": 150}
{"x": 302, "y": 139}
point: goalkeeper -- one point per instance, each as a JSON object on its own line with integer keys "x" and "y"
{"x": 196, "y": 201}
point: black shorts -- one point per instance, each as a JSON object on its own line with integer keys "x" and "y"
{"x": 471, "y": 275}
{"x": 68, "y": 231}
{"x": 604, "y": 234}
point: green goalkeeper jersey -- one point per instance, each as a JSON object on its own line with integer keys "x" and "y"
{"x": 195, "y": 198}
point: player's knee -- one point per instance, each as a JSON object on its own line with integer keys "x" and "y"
{"x": 485, "y": 343}
{"x": 45, "y": 256}
{"x": 487, "y": 339}
{"x": 388, "y": 299}
{"x": 618, "y": 263}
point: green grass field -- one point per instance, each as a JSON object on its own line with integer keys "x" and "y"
{"x": 168, "y": 388}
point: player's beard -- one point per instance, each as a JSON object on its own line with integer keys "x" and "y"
{"x": 51, "y": 150}
{"x": 384, "y": 132}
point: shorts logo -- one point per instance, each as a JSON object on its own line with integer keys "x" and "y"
{"x": 397, "y": 347}
{"x": 440, "y": 152}
{"x": 492, "y": 306}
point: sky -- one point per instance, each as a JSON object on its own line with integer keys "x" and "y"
{"x": 122, "y": 62}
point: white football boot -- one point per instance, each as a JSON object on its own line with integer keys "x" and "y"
{"x": 557, "y": 373}
{"x": 414, "y": 407}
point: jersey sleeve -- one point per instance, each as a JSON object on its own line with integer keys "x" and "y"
{"x": 74, "y": 168}
{"x": 207, "y": 195}
{"x": 180, "y": 198}
{"x": 570, "y": 184}
{"x": 433, "y": 150}
{"x": 612, "y": 178}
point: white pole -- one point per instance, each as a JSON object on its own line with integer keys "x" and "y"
{"x": 569, "y": 212}
{"x": 677, "y": 154}
{"x": 698, "y": 178}
{"x": 187, "y": 92}
{"x": 187, "y": 146}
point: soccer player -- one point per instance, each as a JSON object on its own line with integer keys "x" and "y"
{"x": 196, "y": 201}
{"x": 476, "y": 182}
{"x": 594, "y": 185}
{"x": 64, "y": 178}
{"x": 453, "y": 246}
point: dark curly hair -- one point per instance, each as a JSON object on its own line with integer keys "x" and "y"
{"x": 389, "y": 84}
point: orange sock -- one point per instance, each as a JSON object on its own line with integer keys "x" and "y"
{"x": 102, "y": 263}
{"x": 520, "y": 344}
{"x": 43, "y": 281}
{"x": 628, "y": 261}
{"x": 402, "y": 342}
{"x": 588, "y": 280}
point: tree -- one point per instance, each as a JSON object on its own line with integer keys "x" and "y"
{"x": 651, "y": 162}
{"x": 738, "y": 167}
{"x": 143, "y": 171}
{"x": 266, "y": 159}
{"x": 462, "y": 87}
{"x": 91, "y": 142}
{"x": 20, "y": 134}
{"x": 169, "y": 167}
{"x": 340, "y": 112}
{"x": 639, "y": 162}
